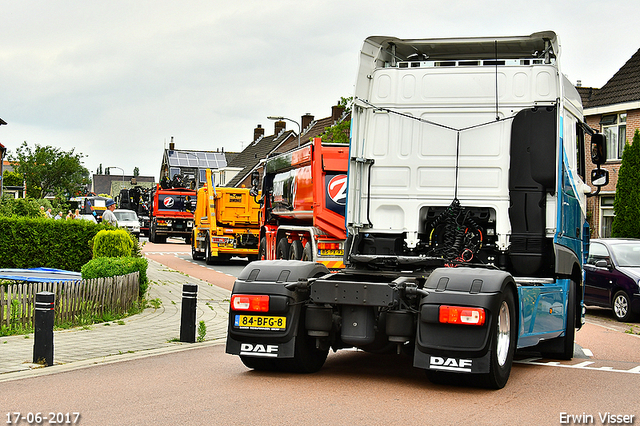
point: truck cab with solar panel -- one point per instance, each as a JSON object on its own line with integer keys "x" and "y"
{"x": 465, "y": 218}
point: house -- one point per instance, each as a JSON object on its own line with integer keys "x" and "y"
{"x": 282, "y": 140}
{"x": 613, "y": 110}
{"x": 112, "y": 184}
{"x": 192, "y": 165}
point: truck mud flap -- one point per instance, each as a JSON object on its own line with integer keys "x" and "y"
{"x": 449, "y": 364}
{"x": 262, "y": 349}
{"x": 462, "y": 348}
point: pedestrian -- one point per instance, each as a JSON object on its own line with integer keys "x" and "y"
{"x": 43, "y": 213}
{"x": 108, "y": 215}
{"x": 69, "y": 215}
{"x": 76, "y": 215}
{"x": 58, "y": 216}
{"x": 49, "y": 215}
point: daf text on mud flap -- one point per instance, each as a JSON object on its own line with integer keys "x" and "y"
{"x": 453, "y": 364}
{"x": 259, "y": 350}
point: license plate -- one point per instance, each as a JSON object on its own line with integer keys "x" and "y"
{"x": 256, "y": 322}
{"x": 331, "y": 252}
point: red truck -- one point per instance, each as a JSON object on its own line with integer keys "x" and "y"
{"x": 303, "y": 204}
{"x": 169, "y": 215}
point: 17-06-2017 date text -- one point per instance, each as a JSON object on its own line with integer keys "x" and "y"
{"x": 51, "y": 418}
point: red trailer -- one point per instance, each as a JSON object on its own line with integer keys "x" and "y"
{"x": 304, "y": 198}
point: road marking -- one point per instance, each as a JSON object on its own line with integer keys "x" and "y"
{"x": 587, "y": 352}
{"x": 582, "y": 366}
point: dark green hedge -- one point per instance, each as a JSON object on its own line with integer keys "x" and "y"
{"x": 112, "y": 266}
{"x": 35, "y": 242}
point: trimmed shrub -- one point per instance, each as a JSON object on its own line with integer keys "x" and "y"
{"x": 113, "y": 243}
{"x": 112, "y": 266}
{"x": 36, "y": 242}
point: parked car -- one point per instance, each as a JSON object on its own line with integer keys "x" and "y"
{"x": 612, "y": 276}
{"x": 89, "y": 217}
{"x": 128, "y": 219}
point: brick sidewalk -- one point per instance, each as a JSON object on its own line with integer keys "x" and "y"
{"x": 151, "y": 330}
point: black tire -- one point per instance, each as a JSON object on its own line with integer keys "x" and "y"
{"x": 503, "y": 342}
{"x": 307, "y": 254}
{"x": 207, "y": 252}
{"x": 307, "y": 358}
{"x": 282, "y": 249}
{"x": 295, "y": 250}
{"x": 621, "y": 305}
{"x": 262, "y": 364}
{"x": 567, "y": 341}
{"x": 195, "y": 255}
{"x": 262, "y": 249}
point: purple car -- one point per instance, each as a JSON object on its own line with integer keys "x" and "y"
{"x": 612, "y": 276}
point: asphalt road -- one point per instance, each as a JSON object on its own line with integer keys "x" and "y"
{"x": 206, "y": 386}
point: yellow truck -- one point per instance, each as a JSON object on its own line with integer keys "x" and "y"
{"x": 226, "y": 223}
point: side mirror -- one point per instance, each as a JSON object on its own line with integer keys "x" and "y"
{"x": 255, "y": 178}
{"x": 598, "y": 149}
{"x": 599, "y": 177}
{"x": 602, "y": 264}
{"x": 189, "y": 204}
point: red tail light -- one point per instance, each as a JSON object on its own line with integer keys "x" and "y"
{"x": 329, "y": 246}
{"x": 461, "y": 315}
{"x": 250, "y": 302}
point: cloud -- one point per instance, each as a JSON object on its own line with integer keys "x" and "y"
{"x": 116, "y": 80}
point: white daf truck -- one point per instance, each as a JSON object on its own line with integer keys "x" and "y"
{"x": 465, "y": 218}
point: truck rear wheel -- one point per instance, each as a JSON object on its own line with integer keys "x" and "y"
{"x": 282, "y": 249}
{"x": 207, "y": 252}
{"x": 562, "y": 347}
{"x": 195, "y": 255}
{"x": 295, "y": 250}
{"x": 307, "y": 255}
{"x": 262, "y": 249}
{"x": 503, "y": 342}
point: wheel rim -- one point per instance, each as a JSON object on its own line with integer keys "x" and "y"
{"x": 503, "y": 333}
{"x": 620, "y": 306}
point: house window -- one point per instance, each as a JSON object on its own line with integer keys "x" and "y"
{"x": 606, "y": 215}
{"x": 614, "y": 127}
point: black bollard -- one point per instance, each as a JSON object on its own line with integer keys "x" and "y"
{"x": 188, "y": 318}
{"x": 43, "y": 335}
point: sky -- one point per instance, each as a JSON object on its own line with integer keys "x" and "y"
{"x": 116, "y": 80}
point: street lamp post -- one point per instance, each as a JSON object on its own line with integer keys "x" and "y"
{"x": 288, "y": 119}
{"x": 114, "y": 167}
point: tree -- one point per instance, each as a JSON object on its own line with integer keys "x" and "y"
{"x": 626, "y": 205}
{"x": 50, "y": 171}
{"x": 11, "y": 178}
{"x": 339, "y": 132}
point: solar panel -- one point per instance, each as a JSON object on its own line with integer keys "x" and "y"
{"x": 199, "y": 159}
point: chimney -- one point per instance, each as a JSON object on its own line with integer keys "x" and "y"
{"x": 306, "y": 120}
{"x": 172, "y": 146}
{"x": 279, "y": 126}
{"x": 258, "y": 132}
{"x": 336, "y": 112}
